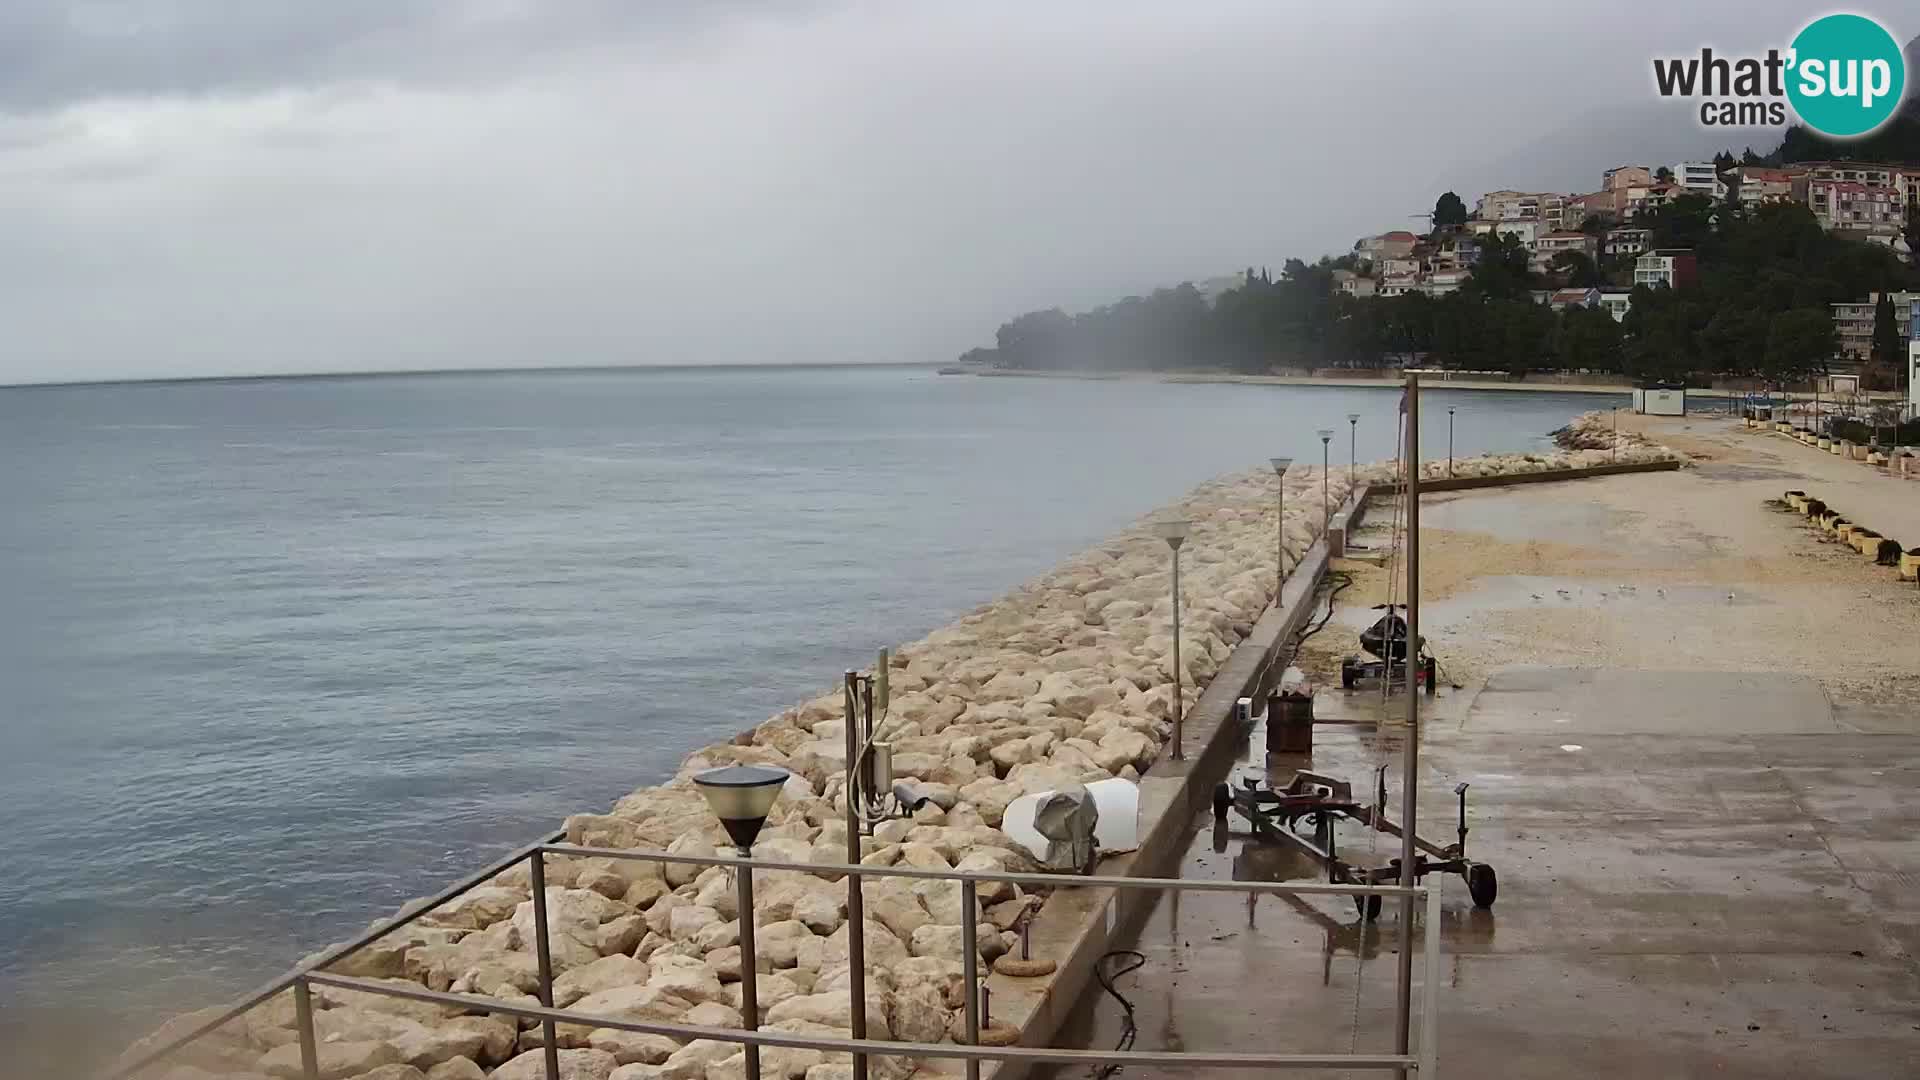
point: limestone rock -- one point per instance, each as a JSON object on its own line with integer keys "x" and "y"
{"x": 395, "y": 1072}
{"x": 712, "y": 1014}
{"x": 630, "y": 1047}
{"x": 678, "y": 874}
{"x": 603, "y": 974}
{"x": 337, "y": 1060}
{"x": 574, "y": 1065}
{"x": 457, "y": 1069}
{"x": 685, "y": 978}
{"x": 478, "y": 909}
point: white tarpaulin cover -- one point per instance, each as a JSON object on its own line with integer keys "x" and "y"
{"x": 1117, "y": 826}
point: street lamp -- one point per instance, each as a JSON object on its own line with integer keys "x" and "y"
{"x": 741, "y": 796}
{"x": 1326, "y": 508}
{"x": 1353, "y": 446}
{"x": 1280, "y": 467}
{"x": 1174, "y": 532}
{"x": 1450, "y": 440}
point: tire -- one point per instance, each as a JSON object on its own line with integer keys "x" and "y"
{"x": 1346, "y": 674}
{"x": 1222, "y": 798}
{"x": 1368, "y": 906}
{"x": 1482, "y": 884}
{"x": 1428, "y": 669}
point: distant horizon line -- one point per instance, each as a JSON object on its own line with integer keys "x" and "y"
{"x": 564, "y": 369}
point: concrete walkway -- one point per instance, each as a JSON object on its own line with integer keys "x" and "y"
{"x": 1692, "y": 732}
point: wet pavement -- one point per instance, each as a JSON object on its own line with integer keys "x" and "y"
{"x": 1707, "y": 867}
{"x": 1727, "y": 905}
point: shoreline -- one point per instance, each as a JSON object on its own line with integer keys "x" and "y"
{"x": 1383, "y": 382}
{"x": 1065, "y": 679}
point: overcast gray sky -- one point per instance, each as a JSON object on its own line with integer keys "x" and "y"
{"x": 239, "y": 186}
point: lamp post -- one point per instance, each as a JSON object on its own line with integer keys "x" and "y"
{"x": 1174, "y": 532}
{"x": 1280, "y": 467}
{"x": 1353, "y": 447}
{"x": 1450, "y": 440}
{"x": 1326, "y": 508}
{"x": 741, "y": 796}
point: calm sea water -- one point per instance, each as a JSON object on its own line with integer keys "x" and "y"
{"x": 279, "y": 655}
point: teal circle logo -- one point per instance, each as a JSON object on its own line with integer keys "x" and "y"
{"x": 1846, "y": 75}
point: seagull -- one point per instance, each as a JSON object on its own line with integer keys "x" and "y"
{"x": 1536, "y": 596}
{"x": 1564, "y": 594}
{"x": 1729, "y": 598}
{"x": 1662, "y": 592}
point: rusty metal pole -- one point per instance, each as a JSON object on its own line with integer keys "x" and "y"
{"x": 303, "y": 1019}
{"x": 970, "y": 968}
{"x": 749, "y": 961}
{"x": 544, "y": 955}
{"x": 856, "y": 899}
{"x": 1410, "y": 755}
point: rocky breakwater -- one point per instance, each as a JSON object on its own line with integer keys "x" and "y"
{"x": 1068, "y": 678}
{"x": 1590, "y": 439}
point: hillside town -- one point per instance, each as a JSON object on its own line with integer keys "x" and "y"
{"x": 1597, "y": 247}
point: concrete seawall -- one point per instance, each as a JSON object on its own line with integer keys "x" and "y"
{"x": 1077, "y": 926}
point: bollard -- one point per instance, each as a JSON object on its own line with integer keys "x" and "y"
{"x": 303, "y": 1019}
{"x": 538, "y": 874}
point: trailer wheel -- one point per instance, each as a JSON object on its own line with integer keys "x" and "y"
{"x": 1346, "y": 673}
{"x": 1222, "y": 798}
{"x": 1368, "y": 906}
{"x": 1482, "y": 884}
{"x": 1428, "y": 671}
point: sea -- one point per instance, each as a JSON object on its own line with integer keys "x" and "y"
{"x": 280, "y": 654}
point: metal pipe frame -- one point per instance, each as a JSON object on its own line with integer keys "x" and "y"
{"x": 331, "y": 956}
{"x": 835, "y": 1044}
{"x": 301, "y": 978}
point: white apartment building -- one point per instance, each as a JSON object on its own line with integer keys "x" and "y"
{"x": 1853, "y": 323}
{"x": 1699, "y": 178}
{"x": 1672, "y": 267}
{"x": 1628, "y": 241}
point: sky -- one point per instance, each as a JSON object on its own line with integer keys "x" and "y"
{"x": 200, "y": 187}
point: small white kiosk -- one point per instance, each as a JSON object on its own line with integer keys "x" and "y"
{"x": 1660, "y": 399}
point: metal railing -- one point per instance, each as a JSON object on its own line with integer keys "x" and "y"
{"x": 312, "y": 973}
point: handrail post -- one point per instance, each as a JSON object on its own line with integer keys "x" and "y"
{"x": 303, "y": 1020}
{"x": 1430, "y": 996}
{"x": 856, "y": 896}
{"x": 538, "y": 876}
{"x": 970, "y": 970}
{"x": 749, "y": 963}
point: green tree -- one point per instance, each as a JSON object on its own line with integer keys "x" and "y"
{"x": 1913, "y": 235}
{"x": 1500, "y": 272}
{"x": 1663, "y": 174}
{"x": 1449, "y": 211}
{"x": 1889, "y": 349}
{"x": 1588, "y": 340}
{"x": 1800, "y": 343}
{"x": 1579, "y": 270}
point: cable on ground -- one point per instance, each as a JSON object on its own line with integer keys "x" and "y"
{"x": 1134, "y": 962}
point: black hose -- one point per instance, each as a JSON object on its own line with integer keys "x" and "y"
{"x": 1136, "y": 961}
{"x": 1341, "y": 579}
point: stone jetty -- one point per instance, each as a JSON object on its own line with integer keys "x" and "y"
{"x": 1067, "y": 678}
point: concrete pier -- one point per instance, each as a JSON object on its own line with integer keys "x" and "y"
{"x": 1691, "y": 731}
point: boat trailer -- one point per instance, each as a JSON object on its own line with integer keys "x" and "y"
{"x": 1319, "y": 800}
